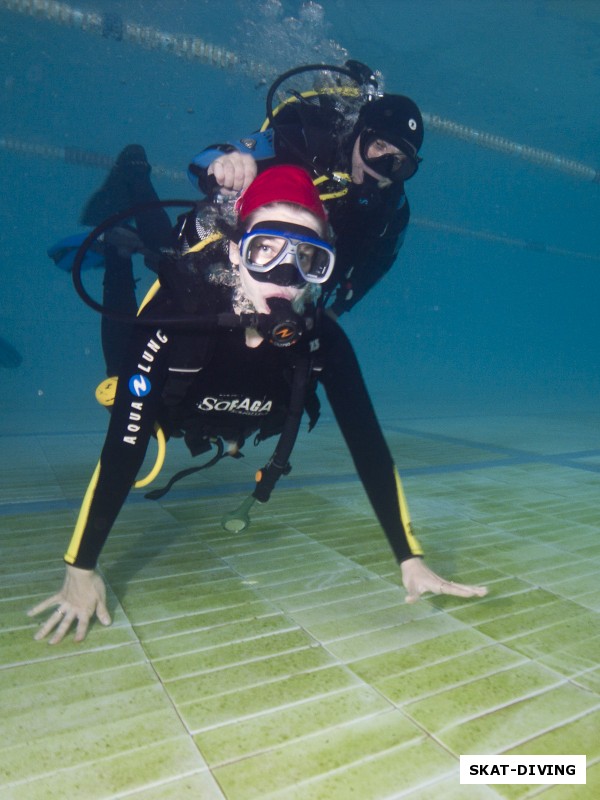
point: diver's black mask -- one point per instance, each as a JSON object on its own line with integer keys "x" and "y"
{"x": 397, "y": 167}
{"x": 281, "y": 275}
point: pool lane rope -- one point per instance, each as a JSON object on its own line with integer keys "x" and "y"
{"x": 192, "y": 48}
{"x": 112, "y": 26}
{"x": 490, "y": 141}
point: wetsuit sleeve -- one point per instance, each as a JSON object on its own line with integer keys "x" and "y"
{"x": 349, "y": 398}
{"x": 305, "y": 139}
{"x": 258, "y": 145}
{"x": 136, "y": 407}
{"x": 365, "y": 253}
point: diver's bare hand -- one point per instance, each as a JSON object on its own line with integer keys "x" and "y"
{"x": 83, "y": 594}
{"x": 419, "y": 579}
{"x": 234, "y": 172}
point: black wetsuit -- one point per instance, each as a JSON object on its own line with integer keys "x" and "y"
{"x": 238, "y": 391}
{"x": 370, "y": 226}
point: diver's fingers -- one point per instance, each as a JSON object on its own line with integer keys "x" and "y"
{"x": 418, "y": 579}
{"x": 82, "y": 628}
{"x": 233, "y": 171}
{"x": 102, "y": 614}
{"x": 461, "y": 589}
{"x": 236, "y": 174}
{"x": 218, "y": 170}
{"x": 45, "y": 604}
{"x": 447, "y": 588}
{"x": 48, "y": 626}
{"x": 249, "y": 171}
{"x": 63, "y": 627}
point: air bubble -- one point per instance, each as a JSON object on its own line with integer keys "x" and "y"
{"x": 312, "y": 13}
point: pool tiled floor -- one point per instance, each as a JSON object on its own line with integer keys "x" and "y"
{"x": 282, "y": 663}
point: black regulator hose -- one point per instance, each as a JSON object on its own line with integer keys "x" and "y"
{"x": 93, "y": 236}
{"x": 282, "y": 327}
{"x": 360, "y": 73}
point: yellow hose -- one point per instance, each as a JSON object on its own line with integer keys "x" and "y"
{"x": 160, "y": 459}
{"x": 105, "y": 395}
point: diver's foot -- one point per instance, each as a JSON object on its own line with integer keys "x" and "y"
{"x": 127, "y": 184}
{"x": 132, "y": 161}
{"x": 125, "y": 241}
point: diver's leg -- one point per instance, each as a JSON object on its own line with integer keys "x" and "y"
{"x": 119, "y": 296}
{"x": 153, "y": 224}
{"x": 127, "y": 185}
{"x": 119, "y": 284}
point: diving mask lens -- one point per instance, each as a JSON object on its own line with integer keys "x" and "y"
{"x": 264, "y": 249}
{"x": 398, "y": 166}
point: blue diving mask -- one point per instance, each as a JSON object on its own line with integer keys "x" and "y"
{"x": 286, "y": 254}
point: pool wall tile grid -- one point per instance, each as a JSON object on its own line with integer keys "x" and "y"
{"x": 282, "y": 662}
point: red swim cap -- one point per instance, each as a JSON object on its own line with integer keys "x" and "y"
{"x": 281, "y": 184}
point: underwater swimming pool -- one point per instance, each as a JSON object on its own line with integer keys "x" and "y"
{"x": 283, "y": 663}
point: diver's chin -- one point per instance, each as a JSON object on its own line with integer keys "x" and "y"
{"x": 283, "y": 295}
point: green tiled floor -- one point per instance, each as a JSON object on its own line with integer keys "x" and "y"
{"x": 282, "y": 663}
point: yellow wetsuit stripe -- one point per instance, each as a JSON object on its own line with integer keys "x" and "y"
{"x": 415, "y": 547}
{"x": 73, "y": 550}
